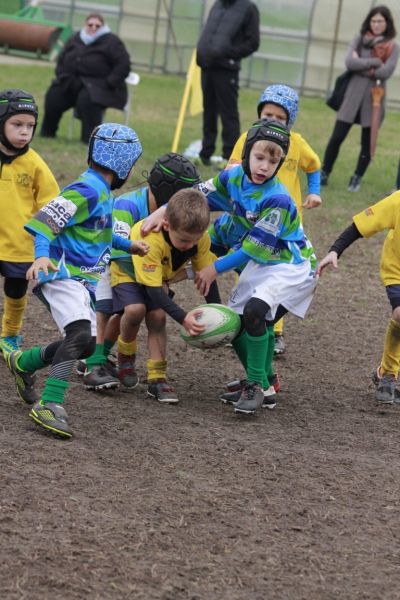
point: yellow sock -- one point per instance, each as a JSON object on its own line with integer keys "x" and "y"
{"x": 391, "y": 349}
{"x": 278, "y": 327}
{"x": 13, "y": 313}
{"x": 127, "y": 348}
{"x": 156, "y": 369}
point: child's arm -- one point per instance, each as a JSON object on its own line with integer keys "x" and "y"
{"x": 215, "y": 191}
{"x": 42, "y": 261}
{"x": 206, "y": 276}
{"x": 313, "y": 198}
{"x": 131, "y": 246}
{"x": 346, "y": 238}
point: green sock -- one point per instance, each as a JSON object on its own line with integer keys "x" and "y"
{"x": 257, "y": 348}
{"x": 269, "y": 370}
{"x": 240, "y": 346}
{"x": 30, "y": 360}
{"x": 107, "y": 347}
{"x": 97, "y": 357}
{"x": 54, "y": 390}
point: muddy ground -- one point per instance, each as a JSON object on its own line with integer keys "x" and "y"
{"x": 193, "y": 502}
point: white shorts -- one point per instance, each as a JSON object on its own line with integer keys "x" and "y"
{"x": 292, "y": 286}
{"x": 104, "y": 301}
{"x": 103, "y": 289}
{"x": 68, "y": 301}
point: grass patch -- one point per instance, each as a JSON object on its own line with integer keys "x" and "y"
{"x": 154, "y": 112}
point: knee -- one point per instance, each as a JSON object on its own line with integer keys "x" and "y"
{"x": 134, "y": 313}
{"x": 254, "y": 313}
{"x": 396, "y": 315}
{"x": 79, "y": 341}
{"x": 156, "y": 320}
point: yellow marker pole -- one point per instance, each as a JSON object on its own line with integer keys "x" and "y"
{"x": 184, "y": 103}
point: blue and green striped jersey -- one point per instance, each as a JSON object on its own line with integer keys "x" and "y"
{"x": 262, "y": 219}
{"x": 128, "y": 209}
{"x": 77, "y": 224}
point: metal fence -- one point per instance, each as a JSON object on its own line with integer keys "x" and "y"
{"x": 303, "y": 42}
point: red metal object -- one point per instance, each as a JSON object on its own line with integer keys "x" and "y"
{"x": 377, "y": 94}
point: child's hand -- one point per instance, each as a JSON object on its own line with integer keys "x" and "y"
{"x": 41, "y": 264}
{"x": 191, "y": 324}
{"x": 154, "y": 221}
{"x": 330, "y": 259}
{"x": 312, "y": 201}
{"x": 139, "y": 247}
{"x": 204, "y": 278}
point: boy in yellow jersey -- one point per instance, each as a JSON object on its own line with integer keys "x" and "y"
{"x": 183, "y": 238}
{"x": 26, "y": 185}
{"x": 382, "y": 215}
{"x": 281, "y": 103}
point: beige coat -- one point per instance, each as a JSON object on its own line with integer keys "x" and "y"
{"x": 358, "y": 96}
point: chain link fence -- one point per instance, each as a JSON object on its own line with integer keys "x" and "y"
{"x": 303, "y": 43}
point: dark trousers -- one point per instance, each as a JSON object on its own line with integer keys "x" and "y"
{"x": 338, "y": 136}
{"x": 220, "y": 97}
{"x": 58, "y": 100}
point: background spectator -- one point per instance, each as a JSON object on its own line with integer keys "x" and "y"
{"x": 372, "y": 55}
{"x": 90, "y": 76}
{"x": 231, "y": 33}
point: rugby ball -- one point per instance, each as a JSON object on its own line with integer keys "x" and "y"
{"x": 221, "y": 323}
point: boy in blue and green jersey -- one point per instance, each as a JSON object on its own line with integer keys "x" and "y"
{"x": 73, "y": 241}
{"x": 276, "y": 258}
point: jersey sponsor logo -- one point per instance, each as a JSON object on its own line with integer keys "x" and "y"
{"x": 101, "y": 222}
{"x": 206, "y": 187}
{"x": 101, "y": 263}
{"x": 149, "y": 268}
{"x": 58, "y": 212}
{"x": 252, "y": 216}
{"x": 24, "y": 180}
{"x": 369, "y": 212}
{"x": 291, "y": 164}
{"x": 270, "y": 223}
{"x": 121, "y": 228}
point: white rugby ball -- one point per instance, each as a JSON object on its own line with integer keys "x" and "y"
{"x": 221, "y": 323}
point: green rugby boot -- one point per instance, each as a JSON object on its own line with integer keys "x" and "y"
{"x": 25, "y": 381}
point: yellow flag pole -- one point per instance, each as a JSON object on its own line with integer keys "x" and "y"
{"x": 184, "y": 103}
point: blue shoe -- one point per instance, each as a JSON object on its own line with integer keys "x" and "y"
{"x": 10, "y": 343}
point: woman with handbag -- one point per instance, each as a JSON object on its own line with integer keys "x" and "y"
{"x": 371, "y": 56}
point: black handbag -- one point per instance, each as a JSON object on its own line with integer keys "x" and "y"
{"x": 335, "y": 98}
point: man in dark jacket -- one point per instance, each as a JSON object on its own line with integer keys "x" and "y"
{"x": 90, "y": 76}
{"x": 231, "y": 32}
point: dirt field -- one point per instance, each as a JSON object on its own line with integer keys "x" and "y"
{"x": 192, "y": 502}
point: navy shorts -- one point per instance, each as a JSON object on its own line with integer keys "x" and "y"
{"x": 393, "y": 293}
{"x": 105, "y": 306}
{"x": 14, "y": 269}
{"x": 130, "y": 293}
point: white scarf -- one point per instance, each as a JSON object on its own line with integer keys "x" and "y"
{"x": 88, "y": 39}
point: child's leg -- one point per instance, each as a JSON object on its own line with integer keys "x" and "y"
{"x": 257, "y": 339}
{"x": 280, "y": 342}
{"x": 127, "y": 345}
{"x": 158, "y": 387}
{"x": 14, "y": 303}
{"x": 390, "y": 362}
{"x": 111, "y": 333}
{"x": 77, "y": 343}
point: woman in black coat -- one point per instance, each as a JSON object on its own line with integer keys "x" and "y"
{"x": 90, "y": 76}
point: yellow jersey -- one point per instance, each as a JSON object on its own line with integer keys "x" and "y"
{"x": 163, "y": 261}
{"x": 26, "y": 185}
{"x": 384, "y": 215}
